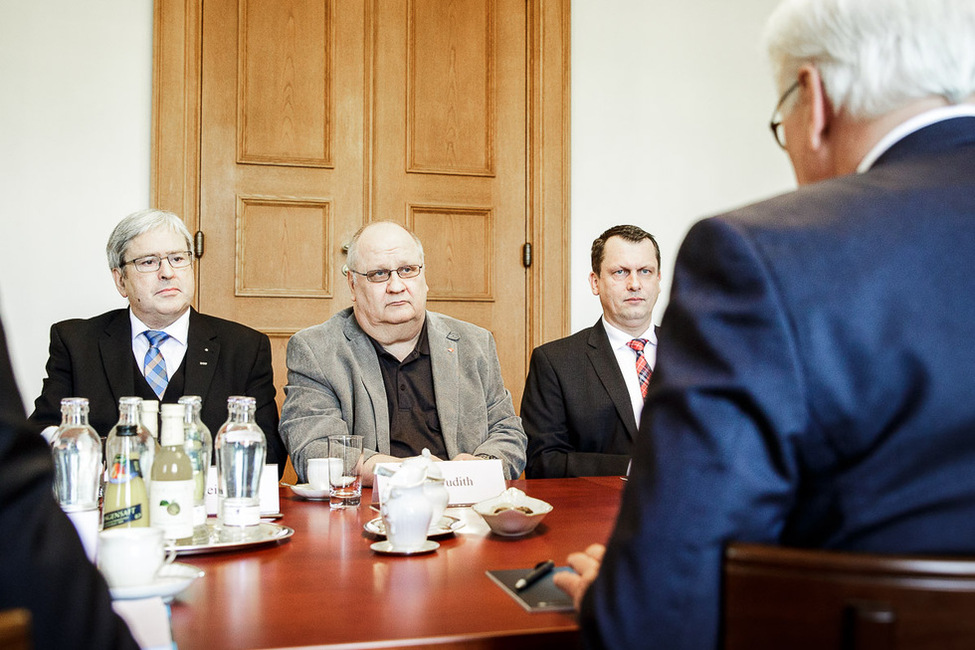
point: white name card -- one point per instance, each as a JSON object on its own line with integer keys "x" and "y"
{"x": 270, "y": 505}
{"x": 467, "y": 481}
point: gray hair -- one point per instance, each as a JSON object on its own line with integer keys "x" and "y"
{"x": 352, "y": 256}
{"x": 137, "y": 224}
{"x": 875, "y": 56}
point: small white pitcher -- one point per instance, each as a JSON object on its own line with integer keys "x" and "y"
{"x": 406, "y": 511}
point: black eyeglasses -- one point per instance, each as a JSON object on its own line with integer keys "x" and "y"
{"x": 383, "y": 275}
{"x": 151, "y": 263}
{"x": 776, "y": 122}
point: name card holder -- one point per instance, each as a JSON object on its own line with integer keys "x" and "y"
{"x": 467, "y": 481}
{"x": 270, "y": 503}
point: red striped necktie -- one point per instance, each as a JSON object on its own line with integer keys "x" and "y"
{"x": 642, "y": 367}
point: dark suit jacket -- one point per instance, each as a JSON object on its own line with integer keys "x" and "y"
{"x": 576, "y": 410}
{"x": 813, "y": 388}
{"x": 93, "y": 358}
{"x": 43, "y": 566}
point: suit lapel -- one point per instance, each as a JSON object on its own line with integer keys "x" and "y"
{"x": 202, "y": 356}
{"x": 603, "y": 360}
{"x": 372, "y": 379}
{"x": 444, "y": 360}
{"x": 115, "y": 346}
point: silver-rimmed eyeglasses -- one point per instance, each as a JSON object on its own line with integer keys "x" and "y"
{"x": 151, "y": 263}
{"x": 776, "y": 122}
{"x": 383, "y": 275}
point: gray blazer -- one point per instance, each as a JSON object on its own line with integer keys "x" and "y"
{"x": 335, "y": 386}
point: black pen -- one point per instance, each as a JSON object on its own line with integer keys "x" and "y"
{"x": 540, "y": 571}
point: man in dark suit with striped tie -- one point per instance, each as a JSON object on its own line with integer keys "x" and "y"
{"x": 160, "y": 347}
{"x": 584, "y": 393}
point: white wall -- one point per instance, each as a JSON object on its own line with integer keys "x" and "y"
{"x": 75, "y": 89}
{"x": 669, "y": 108}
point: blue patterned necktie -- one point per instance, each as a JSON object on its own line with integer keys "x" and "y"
{"x": 642, "y": 367}
{"x": 155, "y": 366}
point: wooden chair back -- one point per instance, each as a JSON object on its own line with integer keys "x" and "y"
{"x": 15, "y": 629}
{"x": 775, "y": 597}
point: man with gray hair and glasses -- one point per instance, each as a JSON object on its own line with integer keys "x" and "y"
{"x": 159, "y": 348}
{"x": 814, "y": 377}
{"x": 402, "y": 377}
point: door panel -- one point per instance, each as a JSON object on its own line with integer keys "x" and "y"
{"x": 294, "y": 122}
{"x": 451, "y": 154}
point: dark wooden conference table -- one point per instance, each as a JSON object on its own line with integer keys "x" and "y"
{"x": 325, "y": 588}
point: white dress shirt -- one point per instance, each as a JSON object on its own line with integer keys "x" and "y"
{"x": 626, "y": 358}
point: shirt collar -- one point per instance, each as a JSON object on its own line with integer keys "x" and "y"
{"x": 908, "y": 127}
{"x": 179, "y": 329}
{"x": 618, "y": 338}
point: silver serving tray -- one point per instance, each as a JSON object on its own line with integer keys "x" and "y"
{"x": 220, "y": 538}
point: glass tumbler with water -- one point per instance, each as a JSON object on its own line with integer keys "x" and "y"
{"x": 345, "y": 471}
{"x": 240, "y": 450}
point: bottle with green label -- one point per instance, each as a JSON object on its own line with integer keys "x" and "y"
{"x": 172, "y": 488}
{"x": 126, "y": 503}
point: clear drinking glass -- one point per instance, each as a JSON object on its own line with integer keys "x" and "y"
{"x": 345, "y": 477}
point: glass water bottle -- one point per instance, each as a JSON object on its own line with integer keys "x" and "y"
{"x": 199, "y": 447}
{"x": 240, "y": 450}
{"x": 77, "y": 452}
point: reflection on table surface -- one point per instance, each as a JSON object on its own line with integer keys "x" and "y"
{"x": 325, "y": 586}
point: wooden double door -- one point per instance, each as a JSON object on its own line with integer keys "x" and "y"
{"x": 282, "y": 126}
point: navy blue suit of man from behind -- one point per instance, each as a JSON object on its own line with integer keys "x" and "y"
{"x": 815, "y": 377}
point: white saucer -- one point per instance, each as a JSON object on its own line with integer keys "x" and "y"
{"x": 446, "y": 526}
{"x": 306, "y": 491}
{"x": 386, "y": 548}
{"x": 172, "y": 579}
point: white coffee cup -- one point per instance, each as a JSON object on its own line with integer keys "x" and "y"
{"x": 318, "y": 470}
{"x": 131, "y": 557}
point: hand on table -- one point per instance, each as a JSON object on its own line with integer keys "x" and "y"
{"x": 586, "y": 567}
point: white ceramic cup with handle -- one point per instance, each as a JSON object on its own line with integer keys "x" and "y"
{"x": 131, "y": 557}
{"x": 318, "y": 471}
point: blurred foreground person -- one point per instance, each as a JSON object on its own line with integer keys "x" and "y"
{"x": 43, "y": 567}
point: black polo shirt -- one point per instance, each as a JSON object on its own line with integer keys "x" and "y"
{"x": 413, "y": 420}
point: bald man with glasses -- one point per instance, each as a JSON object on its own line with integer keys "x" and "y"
{"x": 402, "y": 377}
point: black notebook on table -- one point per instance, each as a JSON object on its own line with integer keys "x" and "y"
{"x": 542, "y": 596}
